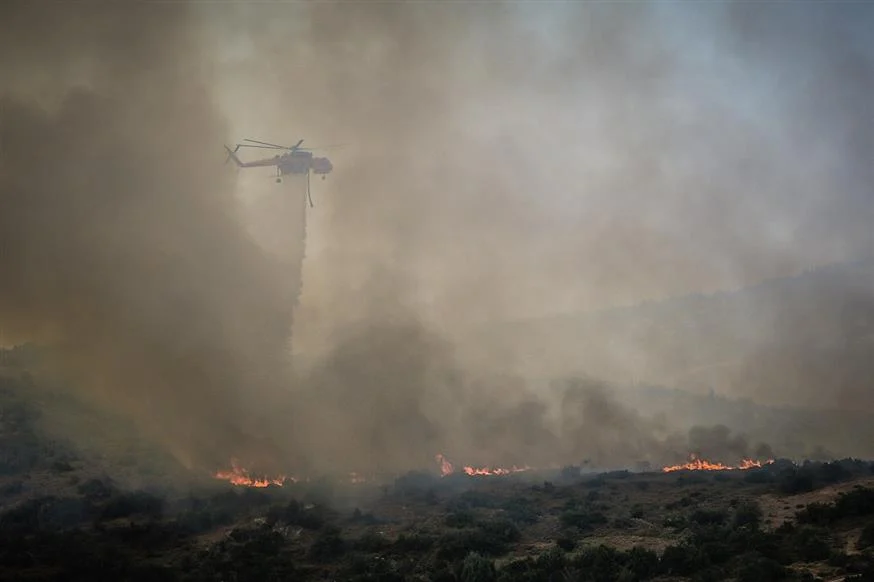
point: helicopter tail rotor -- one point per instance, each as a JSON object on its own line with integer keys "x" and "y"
{"x": 232, "y": 155}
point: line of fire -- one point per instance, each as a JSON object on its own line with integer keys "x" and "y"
{"x": 240, "y": 476}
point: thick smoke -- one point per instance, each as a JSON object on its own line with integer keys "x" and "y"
{"x": 659, "y": 152}
{"x": 509, "y": 162}
{"x": 392, "y": 395}
{"x": 120, "y": 241}
{"x": 504, "y": 161}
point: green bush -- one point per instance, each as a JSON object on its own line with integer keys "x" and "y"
{"x": 501, "y": 529}
{"x": 866, "y": 538}
{"x": 328, "y": 545}
{"x": 371, "y": 542}
{"x": 583, "y": 520}
{"x": 132, "y": 503}
{"x": 795, "y": 481}
{"x": 413, "y": 543}
{"x": 474, "y": 500}
{"x": 834, "y": 472}
{"x": 808, "y": 544}
{"x": 708, "y": 517}
{"x": 248, "y": 554}
{"x": 364, "y": 518}
{"x": 748, "y": 514}
{"x": 570, "y": 473}
{"x": 459, "y": 519}
{"x": 600, "y": 563}
{"x": 476, "y": 568}
{"x": 758, "y": 476}
{"x": 856, "y": 503}
{"x": 295, "y": 514}
{"x": 755, "y": 568}
{"x": 566, "y": 542}
{"x": 490, "y": 538}
{"x": 372, "y": 569}
{"x": 680, "y": 560}
{"x": 551, "y": 561}
{"x": 520, "y": 510}
{"x": 816, "y": 513}
{"x": 95, "y": 490}
{"x": 43, "y": 514}
{"x": 414, "y": 483}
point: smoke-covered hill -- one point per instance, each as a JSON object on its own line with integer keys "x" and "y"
{"x": 797, "y": 432}
{"x": 806, "y": 340}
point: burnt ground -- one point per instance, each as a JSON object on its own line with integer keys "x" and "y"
{"x": 128, "y": 514}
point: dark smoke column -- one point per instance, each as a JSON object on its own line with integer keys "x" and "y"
{"x": 122, "y": 245}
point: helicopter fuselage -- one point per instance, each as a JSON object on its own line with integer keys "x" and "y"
{"x": 303, "y": 162}
{"x": 294, "y": 162}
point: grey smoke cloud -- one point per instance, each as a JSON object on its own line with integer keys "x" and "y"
{"x": 121, "y": 241}
{"x": 511, "y": 162}
{"x": 519, "y": 161}
{"x": 504, "y": 162}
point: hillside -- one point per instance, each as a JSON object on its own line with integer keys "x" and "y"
{"x": 64, "y": 518}
{"x": 806, "y": 340}
{"x": 110, "y": 505}
{"x": 792, "y": 431}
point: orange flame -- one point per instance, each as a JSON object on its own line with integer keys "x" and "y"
{"x": 446, "y": 468}
{"x": 240, "y": 476}
{"x": 696, "y": 464}
{"x": 495, "y": 471}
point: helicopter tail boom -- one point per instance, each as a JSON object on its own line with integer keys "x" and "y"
{"x": 232, "y": 155}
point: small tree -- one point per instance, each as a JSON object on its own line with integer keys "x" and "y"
{"x": 866, "y": 538}
{"x": 476, "y": 568}
{"x": 748, "y": 514}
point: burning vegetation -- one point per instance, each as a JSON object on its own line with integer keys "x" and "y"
{"x": 447, "y": 468}
{"x": 240, "y": 476}
{"x": 746, "y": 525}
{"x": 697, "y": 464}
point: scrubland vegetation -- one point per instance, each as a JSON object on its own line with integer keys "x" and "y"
{"x": 62, "y": 521}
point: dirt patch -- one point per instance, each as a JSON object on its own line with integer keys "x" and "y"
{"x": 782, "y": 508}
{"x": 625, "y": 542}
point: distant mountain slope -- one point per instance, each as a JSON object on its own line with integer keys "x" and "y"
{"x": 791, "y": 431}
{"x": 807, "y": 339}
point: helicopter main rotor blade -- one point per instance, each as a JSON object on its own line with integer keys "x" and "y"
{"x": 327, "y": 147}
{"x": 245, "y": 145}
{"x": 264, "y": 143}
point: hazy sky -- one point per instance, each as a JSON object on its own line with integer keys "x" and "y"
{"x": 584, "y": 154}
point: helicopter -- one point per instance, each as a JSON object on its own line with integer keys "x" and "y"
{"x": 296, "y": 160}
